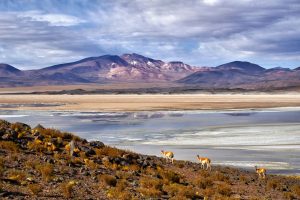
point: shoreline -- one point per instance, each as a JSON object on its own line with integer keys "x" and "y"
{"x": 155, "y": 102}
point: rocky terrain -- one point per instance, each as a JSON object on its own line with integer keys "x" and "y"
{"x": 43, "y": 163}
{"x": 134, "y": 68}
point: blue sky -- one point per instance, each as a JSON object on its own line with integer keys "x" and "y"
{"x": 40, "y": 33}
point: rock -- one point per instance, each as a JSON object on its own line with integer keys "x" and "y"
{"x": 39, "y": 127}
{"x": 7, "y": 136}
{"x": 105, "y": 159}
{"x": 97, "y": 144}
{"x": 23, "y": 126}
{"x": 124, "y": 163}
{"x": 117, "y": 160}
{"x": 48, "y": 160}
{"x": 236, "y": 196}
{"x": 39, "y": 136}
{"x": 88, "y": 151}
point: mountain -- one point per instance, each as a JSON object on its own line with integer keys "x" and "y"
{"x": 8, "y": 70}
{"x": 242, "y": 66}
{"x": 135, "y": 68}
{"x": 113, "y": 68}
{"x": 244, "y": 75}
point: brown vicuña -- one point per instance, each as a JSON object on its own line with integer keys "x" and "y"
{"x": 204, "y": 161}
{"x": 169, "y": 155}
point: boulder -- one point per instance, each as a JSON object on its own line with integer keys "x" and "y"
{"x": 88, "y": 151}
{"x": 97, "y": 144}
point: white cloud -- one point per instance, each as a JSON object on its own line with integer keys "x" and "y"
{"x": 52, "y": 19}
{"x": 210, "y": 2}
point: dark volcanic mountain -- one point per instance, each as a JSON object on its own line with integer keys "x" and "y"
{"x": 8, "y": 70}
{"x": 137, "y": 68}
{"x": 244, "y": 75}
{"x": 246, "y": 67}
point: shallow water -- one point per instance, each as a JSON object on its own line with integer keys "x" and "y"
{"x": 245, "y": 138}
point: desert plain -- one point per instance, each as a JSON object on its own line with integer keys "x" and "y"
{"x": 148, "y": 102}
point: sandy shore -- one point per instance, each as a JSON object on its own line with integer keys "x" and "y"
{"x": 151, "y": 102}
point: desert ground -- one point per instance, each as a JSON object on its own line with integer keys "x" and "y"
{"x": 149, "y": 102}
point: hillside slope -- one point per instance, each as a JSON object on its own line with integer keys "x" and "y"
{"x": 35, "y": 163}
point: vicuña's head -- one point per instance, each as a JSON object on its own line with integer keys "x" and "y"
{"x": 162, "y": 151}
{"x": 255, "y": 167}
{"x": 198, "y": 156}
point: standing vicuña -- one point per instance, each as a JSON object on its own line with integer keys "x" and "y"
{"x": 204, "y": 161}
{"x": 261, "y": 172}
{"x": 168, "y": 154}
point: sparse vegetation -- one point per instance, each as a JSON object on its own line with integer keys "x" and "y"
{"x": 108, "y": 180}
{"x": 35, "y": 188}
{"x": 46, "y": 171}
{"x": 67, "y": 188}
{"x": 9, "y": 145}
{"x": 30, "y": 169}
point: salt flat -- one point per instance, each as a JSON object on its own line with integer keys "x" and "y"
{"x": 136, "y": 102}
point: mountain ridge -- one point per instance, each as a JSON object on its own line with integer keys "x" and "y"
{"x": 136, "y": 68}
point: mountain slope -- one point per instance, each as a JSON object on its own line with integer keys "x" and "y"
{"x": 135, "y": 68}
{"x": 128, "y": 67}
{"x": 242, "y": 66}
{"x": 8, "y": 70}
{"x": 45, "y": 167}
{"x": 244, "y": 75}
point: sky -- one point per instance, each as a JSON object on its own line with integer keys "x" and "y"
{"x": 41, "y": 33}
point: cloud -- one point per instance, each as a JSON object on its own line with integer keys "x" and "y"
{"x": 52, "y": 19}
{"x": 199, "y": 32}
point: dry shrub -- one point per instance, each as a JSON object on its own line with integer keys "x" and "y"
{"x": 31, "y": 163}
{"x": 180, "y": 191}
{"x": 123, "y": 175}
{"x": 209, "y": 192}
{"x": 109, "y": 151}
{"x": 148, "y": 182}
{"x": 296, "y": 190}
{"x": 67, "y": 188}
{"x": 2, "y": 167}
{"x": 273, "y": 184}
{"x": 9, "y": 145}
{"x": 49, "y": 132}
{"x": 289, "y": 196}
{"x": 149, "y": 171}
{"x": 203, "y": 183}
{"x": 114, "y": 193}
{"x": 46, "y": 171}
{"x": 54, "y": 133}
{"x": 35, "y": 188}
{"x": 19, "y": 127}
{"x": 169, "y": 176}
{"x": 36, "y": 146}
{"x": 224, "y": 189}
{"x": 243, "y": 178}
{"x": 149, "y": 192}
{"x": 218, "y": 176}
{"x": 204, "y": 173}
{"x": 119, "y": 192}
{"x": 150, "y": 187}
{"x": 180, "y": 164}
{"x": 132, "y": 167}
{"x": 91, "y": 164}
{"x": 16, "y": 175}
{"x": 108, "y": 180}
